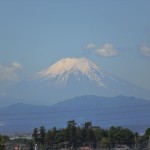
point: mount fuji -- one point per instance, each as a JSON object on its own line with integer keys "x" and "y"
{"x": 77, "y": 67}
{"x": 68, "y": 78}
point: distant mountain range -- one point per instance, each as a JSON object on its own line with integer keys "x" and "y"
{"x": 67, "y": 78}
{"x": 124, "y": 111}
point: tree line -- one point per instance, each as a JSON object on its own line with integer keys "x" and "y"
{"x": 74, "y": 136}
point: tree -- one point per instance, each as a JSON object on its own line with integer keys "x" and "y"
{"x": 51, "y": 137}
{"x": 35, "y": 135}
{"x": 105, "y": 142}
{"x": 147, "y": 134}
{"x": 42, "y": 134}
{"x": 60, "y": 136}
{"x": 3, "y": 139}
{"x": 72, "y": 132}
{"x": 99, "y": 134}
{"x": 119, "y": 135}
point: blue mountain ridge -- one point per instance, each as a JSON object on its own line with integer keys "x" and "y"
{"x": 124, "y": 111}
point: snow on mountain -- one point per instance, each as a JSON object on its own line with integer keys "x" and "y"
{"x": 79, "y": 76}
{"x": 78, "y": 67}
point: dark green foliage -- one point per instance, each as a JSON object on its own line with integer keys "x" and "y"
{"x": 147, "y": 134}
{"x": 75, "y": 136}
{"x": 3, "y": 140}
{"x": 39, "y": 135}
{"x": 120, "y": 135}
{"x": 42, "y": 134}
{"x": 35, "y": 135}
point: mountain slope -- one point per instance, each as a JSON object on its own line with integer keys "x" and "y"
{"x": 80, "y": 76}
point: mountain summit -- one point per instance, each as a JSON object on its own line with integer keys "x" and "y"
{"x": 77, "y": 67}
{"x": 80, "y": 76}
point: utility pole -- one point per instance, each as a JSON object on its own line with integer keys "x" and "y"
{"x": 135, "y": 138}
{"x": 36, "y": 147}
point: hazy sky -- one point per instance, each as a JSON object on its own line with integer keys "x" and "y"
{"x": 115, "y": 34}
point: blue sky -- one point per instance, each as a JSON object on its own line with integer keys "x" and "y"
{"x": 114, "y": 34}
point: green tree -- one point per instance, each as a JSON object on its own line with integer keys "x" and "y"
{"x": 35, "y": 135}
{"x": 60, "y": 136}
{"x": 3, "y": 140}
{"x": 72, "y": 132}
{"x": 42, "y": 134}
{"x": 147, "y": 134}
{"x": 105, "y": 143}
{"x": 51, "y": 136}
{"x": 119, "y": 135}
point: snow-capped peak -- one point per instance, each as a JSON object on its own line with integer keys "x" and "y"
{"x": 67, "y": 66}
